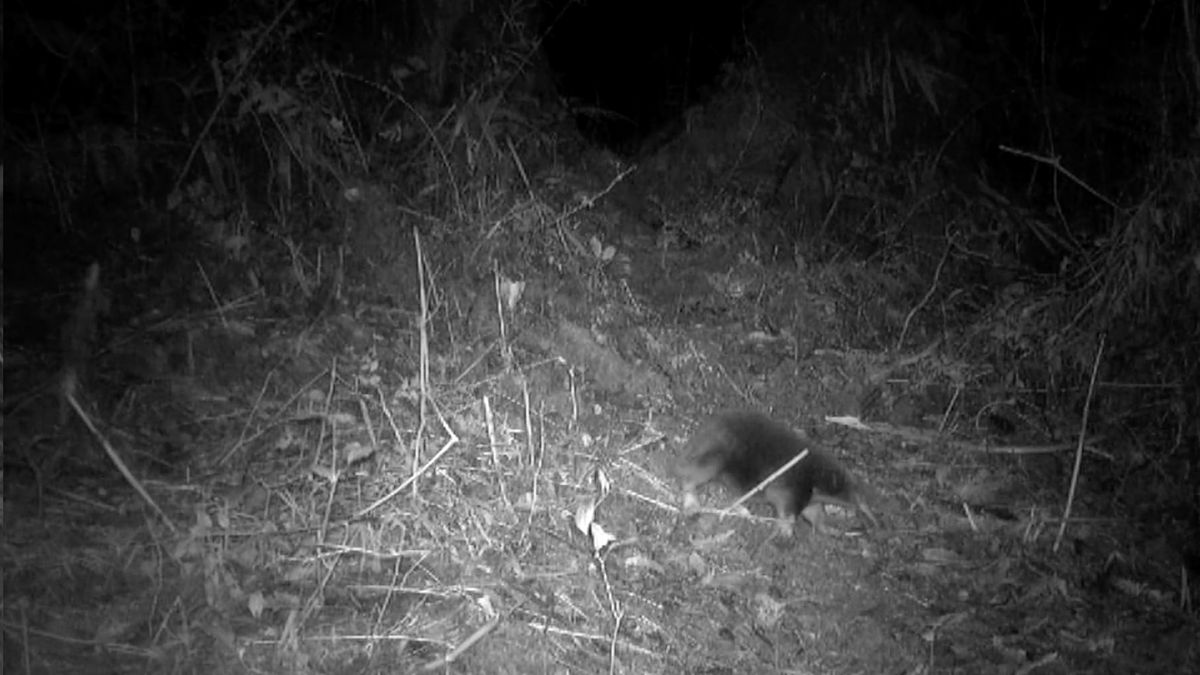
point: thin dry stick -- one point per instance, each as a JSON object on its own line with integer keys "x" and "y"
{"x": 393, "y": 589}
{"x": 574, "y": 398}
{"x": 537, "y": 466}
{"x": 544, "y": 626}
{"x": 387, "y": 412}
{"x": 767, "y": 481}
{"x": 449, "y": 430}
{"x": 244, "y": 440}
{"x": 505, "y": 349}
{"x": 1087, "y": 408}
{"x": 528, "y": 418}
{"x": 937, "y": 273}
{"x": 949, "y": 409}
{"x": 424, "y": 362}
{"x": 408, "y": 481}
{"x": 512, "y": 150}
{"x": 333, "y": 454}
{"x": 433, "y": 138}
{"x": 458, "y": 651}
{"x": 1056, "y": 164}
{"x": 212, "y": 295}
{"x": 246, "y": 427}
{"x": 316, "y": 599}
{"x": 589, "y": 201}
{"x": 492, "y": 443}
{"x": 617, "y": 612}
{"x": 116, "y": 459}
{"x": 612, "y": 643}
{"x": 370, "y": 425}
{"x": 387, "y": 598}
{"x": 227, "y": 90}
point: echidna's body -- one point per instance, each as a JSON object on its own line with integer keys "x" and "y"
{"x": 744, "y": 448}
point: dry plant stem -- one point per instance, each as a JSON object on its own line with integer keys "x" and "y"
{"x": 1087, "y": 409}
{"x": 387, "y": 412}
{"x": 116, "y": 459}
{"x": 921, "y": 436}
{"x": 478, "y": 359}
{"x": 458, "y": 651}
{"x": 212, "y": 295}
{"x": 937, "y": 274}
{"x": 1056, "y": 164}
{"x": 65, "y": 221}
{"x": 528, "y": 420}
{"x": 949, "y": 409}
{"x": 424, "y": 359}
{"x": 387, "y": 597}
{"x": 544, "y": 626}
{"x": 837, "y": 199}
{"x": 612, "y": 643}
{"x": 766, "y": 481}
{"x": 366, "y": 417}
{"x": 226, "y": 91}
{"x": 490, "y": 419}
{"x": 1189, "y": 23}
{"x": 442, "y": 419}
{"x": 327, "y": 73}
{"x": 333, "y": 454}
{"x": 394, "y": 587}
{"x": 590, "y": 201}
{"x": 512, "y": 150}
{"x": 433, "y": 139}
{"x": 970, "y": 517}
{"x": 505, "y": 348}
{"x": 313, "y": 603}
{"x": 410, "y": 480}
{"x": 246, "y": 427}
{"x": 574, "y": 398}
{"x": 244, "y": 440}
{"x": 1043, "y": 449}
{"x": 733, "y": 384}
{"x": 535, "y": 463}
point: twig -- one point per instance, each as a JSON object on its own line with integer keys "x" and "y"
{"x": 766, "y": 481}
{"x": 1087, "y": 408}
{"x": 387, "y": 412}
{"x": 544, "y": 626}
{"x": 506, "y": 354}
{"x": 116, "y": 459}
{"x": 1056, "y": 164}
{"x": 424, "y": 468}
{"x": 226, "y": 92}
{"x": 243, "y": 440}
{"x": 590, "y": 200}
{"x": 490, "y": 419}
{"x": 520, "y": 168}
{"x": 249, "y": 418}
{"x": 937, "y": 273}
{"x": 535, "y": 463}
{"x": 615, "y": 609}
{"x": 368, "y": 423}
{"x": 333, "y": 453}
{"x": 212, "y": 294}
{"x": 423, "y": 368}
{"x": 1040, "y": 449}
{"x": 433, "y": 139}
{"x": 458, "y": 651}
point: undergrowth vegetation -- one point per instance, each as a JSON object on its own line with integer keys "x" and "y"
{"x": 332, "y": 346}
